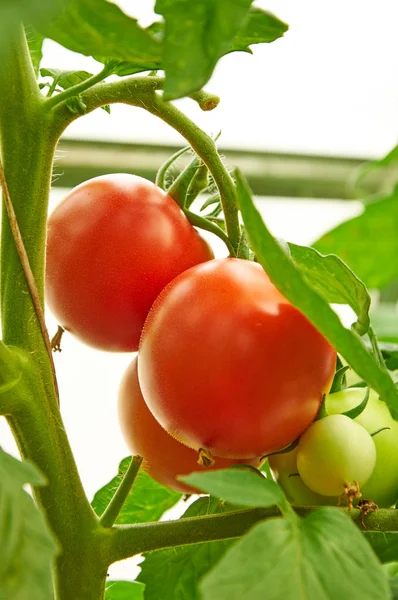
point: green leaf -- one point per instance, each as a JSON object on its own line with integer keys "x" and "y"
{"x": 100, "y": 29}
{"x": 334, "y": 281}
{"x": 198, "y": 33}
{"x": 322, "y": 557}
{"x": 124, "y": 590}
{"x": 261, "y": 26}
{"x": 384, "y": 544}
{"x": 174, "y": 574}
{"x": 65, "y": 79}
{"x": 147, "y": 501}
{"x": 390, "y": 355}
{"x": 287, "y": 278}
{"x": 368, "y": 242}
{"x": 239, "y": 486}
{"x": 32, "y": 12}
{"x": 35, "y": 43}
{"x": 27, "y": 547}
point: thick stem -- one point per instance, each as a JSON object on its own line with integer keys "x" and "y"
{"x": 141, "y": 92}
{"x": 28, "y": 141}
{"x": 128, "y": 540}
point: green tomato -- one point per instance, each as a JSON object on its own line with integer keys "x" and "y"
{"x": 284, "y": 470}
{"x": 333, "y": 451}
{"x": 382, "y": 486}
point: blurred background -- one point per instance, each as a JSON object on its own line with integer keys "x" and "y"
{"x": 299, "y": 117}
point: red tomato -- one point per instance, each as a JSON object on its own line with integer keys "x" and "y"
{"x": 164, "y": 458}
{"x": 228, "y": 364}
{"x": 113, "y": 244}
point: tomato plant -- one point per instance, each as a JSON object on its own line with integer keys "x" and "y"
{"x": 165, "y": 459}
{"x": 235, "y": 355}
{"x": 113, "y": 244}
{"x": 382, "y": 486}
{"x": 333, "y": 451}
{"x": 244, "y": 333}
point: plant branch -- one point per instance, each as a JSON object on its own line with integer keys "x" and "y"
{"x": 114, "y": 507}
{"x": 76, "y": 90}
{"x": 141, "y": 92}
{"x": 205, "y": 100}
{"x": 129, "y": 540}
{"x": 30, "y": 280}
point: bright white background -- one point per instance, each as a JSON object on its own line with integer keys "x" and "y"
{"x": 328, "y": 87}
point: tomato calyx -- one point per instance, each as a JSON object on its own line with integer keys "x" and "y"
{"x": 351, "y": 414}
{"x": 351, "y": 493}
{"x": 56, "y": 340}
{"x": 205, "y": 458}
{"x": 285, "y": 450}
{"x": 380, "y": 430}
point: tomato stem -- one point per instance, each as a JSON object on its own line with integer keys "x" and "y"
{"x": 114, "y": 507}
{"x": 142, "y": 92}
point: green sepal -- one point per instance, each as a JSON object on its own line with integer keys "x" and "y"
{"x": 160, "y": 180}
{"x": 357, "y": 410}
{"x": 179, "y": 188}
{"x": 340, "y": 380}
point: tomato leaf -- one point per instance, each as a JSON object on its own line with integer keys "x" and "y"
{"x": 100, "y": 29}
{"x": 147, "y": 501}
{"x": 287, "y": 278}
{"x": 198, "y": 33}
{"x": 36, "y": 12}
{"x": 334, "y": 281}
{"x": 27, "y": 548}
{"x": 367, "y": 242}
{"x": 238, "y": 486}
{"x": 261, "y": 26}
{"x": 384, "y": 544}
{"x": 322, "y": 556}
{"x": 124, "y": 590}
{"x": 174, "y": 574}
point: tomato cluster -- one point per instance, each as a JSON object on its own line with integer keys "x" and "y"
{"x": 336, "y": 449}
{"x": 227, "y": 368}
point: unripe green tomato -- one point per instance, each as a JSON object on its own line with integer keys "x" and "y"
{"x": 382, "y": 486}
{"x": 284, "y": 469}
{"x": 333, "y": 451}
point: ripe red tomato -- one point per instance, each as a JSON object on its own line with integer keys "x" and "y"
{"x": 226, "y": 363}
{"x": 164, "y": 458}
{"x": 113, "y": 244}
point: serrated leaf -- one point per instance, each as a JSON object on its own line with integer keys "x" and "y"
{"x": 334, "y": 281}
{"x": 66, "y": 79}
{"x": 261, "y": 26}
{"x": 124, "y": 590}
{"x": 100, "y": 29}
{"x": 147, "y": 501}
{"x": 174, "y": 574}
{"x": 198, "y": 33}
{"x": 35, "y": 44}
{"x": 322, "y": 556}
{"x": 287, "y": 278}
{"x": 27, "y": 547}
{"x": 239, "y": 486}
{"x": 367, "y": 242}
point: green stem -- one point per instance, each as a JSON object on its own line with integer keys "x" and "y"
{"x": 376, "y": 350}
{"x": 205, "y": 100}
{"x": 141, "y": 92}
{"x": 128, "y": 540}
{"x": 114, "y": 507}
{"x": 203, "y": 223}
{"x": 79, "y": 88}
{"x": 28, "y": 141}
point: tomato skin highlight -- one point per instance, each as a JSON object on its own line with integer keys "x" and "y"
{"x": 164, "y": 457}
{"x": 226, "y": 363}
{"x": 113, "y": 244}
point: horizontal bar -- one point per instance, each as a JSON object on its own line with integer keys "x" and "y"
{"x": 269, "y": 173}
